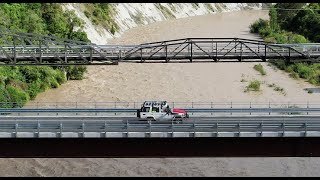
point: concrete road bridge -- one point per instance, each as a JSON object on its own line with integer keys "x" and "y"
{"x": 19, "y": 48}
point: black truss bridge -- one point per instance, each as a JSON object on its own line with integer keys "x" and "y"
{"x": 17, "y": 48}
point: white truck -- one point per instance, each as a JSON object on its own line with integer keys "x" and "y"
{"x": 160, "y": 111}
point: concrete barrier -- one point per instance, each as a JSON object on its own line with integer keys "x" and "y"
{"x": 181, "y": 134}
{"x": 313, "y": 134}
{"x": 205, "y": 134}
{"x": 137, "y": 134}
{"x": 70, "y": 135}
{"x": 48, "y": 135}
{"x": 7, "y": 135}
{"x": 92, "y": 135}
{"x": 115, "y": 134}
{"x": 26, "y": 135}
{"x": 160, "y": 134}
{"x": 227, "y": 134}
{"x": 249, "y": 134}
{"x": 271, "y": 134}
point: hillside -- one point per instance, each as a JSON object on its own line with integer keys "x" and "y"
{"x": 124, "y": 16}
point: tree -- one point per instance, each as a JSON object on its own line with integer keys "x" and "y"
{"x": 73, "y": 21}
{"x": 273, "y": 20}
{"x": 285, "y": 16}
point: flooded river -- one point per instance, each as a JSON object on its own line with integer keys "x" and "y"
{"x": 175, "y": 82}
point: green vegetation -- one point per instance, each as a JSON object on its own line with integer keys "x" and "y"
{"x": 310, "y": 72}
{"x": 195, "y": 5}
{"x": 259, "y": 68}
{"x": 209, "y": 7}
{"x": 101, "y": 14}
{"x": 292, "y": 26}
{"x": 166, "y": 11}
{"x": 277, "y": 88}
{"x": 172, "y": 7}
{"x": 20, "y": 84}
{"x": 253, "y": 86}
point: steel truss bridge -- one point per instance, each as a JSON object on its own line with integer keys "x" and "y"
{"x": 32, "y": 49}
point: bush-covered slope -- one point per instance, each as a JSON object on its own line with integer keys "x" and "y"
{"x": 20, "y": 84}
{"x": 292, "y": 23}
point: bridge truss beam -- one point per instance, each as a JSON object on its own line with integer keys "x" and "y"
{"x": 31, "y": 49}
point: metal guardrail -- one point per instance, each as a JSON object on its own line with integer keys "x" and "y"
{"x": 192, "y": 110}
{"x": 215, "y": 128}
{"x": 119, "y": 108}
{"x": 136, "y": 105}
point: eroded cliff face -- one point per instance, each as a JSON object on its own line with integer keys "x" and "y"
{"x": 129, "y": 15}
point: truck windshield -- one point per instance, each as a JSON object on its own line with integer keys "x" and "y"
{"x": 145, "y": 109}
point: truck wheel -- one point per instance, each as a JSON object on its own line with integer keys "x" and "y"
{"x": 138, "y": 113}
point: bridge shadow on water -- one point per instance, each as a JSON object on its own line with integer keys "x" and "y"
{"x": 160, "y": 147}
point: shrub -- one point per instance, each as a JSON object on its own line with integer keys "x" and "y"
{"x": 76, "y": 72}
{"x": 271, "y": 85}
{"x": 281, "y": 38}
{"x": 54, "y": 84}
{"x": 289, "y": 69}
{"x": 270, "y": 40}
{"x": 17, "y": 95}
{"x": 253, "y": 86}
{"x": 4, "y": 97}
{"x": 30, "y": 73}
{"x": 277, "y": 88}
{"x": 313, "y": 81}
{"x": 294, "y": 75}
{"x": 112, "y": 30}
{"x": 34, "y": 89}
{"x": 87, "y": 14}
{"x": 265, "y": 32}
{"x": 257, "y": 25}
{"x": 281, "y": 64}
{"x": 259, "y": 67}
{"x": 298, "y": 39}
{"x": 304, "y": 71}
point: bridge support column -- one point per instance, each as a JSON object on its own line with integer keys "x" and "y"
{"x": 191, "y": 58}
{"x": 287, "y": 60}
{"x": 166, "y": 48}
{"x": 240, "y": 58}
{"x": 264, "y": 59}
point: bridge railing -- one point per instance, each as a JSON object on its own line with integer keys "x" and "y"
{"x": 214, "y": 128}
{"x": 194, "y": 108}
